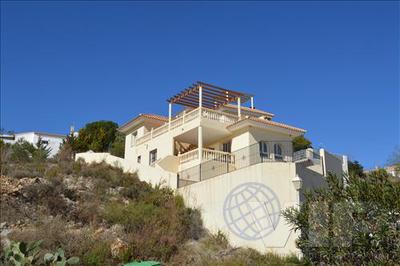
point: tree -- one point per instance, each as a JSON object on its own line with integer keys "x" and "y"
{"x": 96, "y": 136}
{"x": 118, "y": 146}
{"x": 42, "y": 150}
{"x": 350, "y": 223}
{"x": 5, "y": 151}
{"x": 356, "y": 169}
{"x": 67, "y": 149}
{"x": 301, "y": 143}
{"x": 22, "y": 151}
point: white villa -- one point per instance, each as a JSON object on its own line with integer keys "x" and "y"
{"x": 234, "y": 163}
{"x": 53, "y": 141}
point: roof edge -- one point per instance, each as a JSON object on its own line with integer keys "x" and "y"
{"x": 270, "y": 123}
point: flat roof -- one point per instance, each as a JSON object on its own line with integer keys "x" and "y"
{"x": 43, "y": 134}
{"x": 246, "y": 120}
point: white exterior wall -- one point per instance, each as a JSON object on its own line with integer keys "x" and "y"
{"x": 272, "y": 138}
{"x": 332, "y": 164}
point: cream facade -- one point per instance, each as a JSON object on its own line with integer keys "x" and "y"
{"x": 232, "y": 162}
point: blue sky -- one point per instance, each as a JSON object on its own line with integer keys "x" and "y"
{"x": 329, "y": 67}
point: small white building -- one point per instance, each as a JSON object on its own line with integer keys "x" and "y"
{"x": 53, "y": 141}
{"x": 232, "y": 162}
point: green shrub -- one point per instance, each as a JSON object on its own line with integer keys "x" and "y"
{"x": 132, "y": 216}
{"x": 350, "y": 223}
{"x": 97, "y": 255}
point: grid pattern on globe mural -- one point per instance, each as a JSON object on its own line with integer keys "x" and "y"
{"x": 252, "y": 211}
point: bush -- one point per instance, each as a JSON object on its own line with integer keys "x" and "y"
{"x": 98, "y": 254}
{"x": 51, "y": 194}
{"x": 118, "y": 145}
{"x": 301, "y": 143}
{"x": 371, "y": 206}
{"x": 155, "y": 222}
{"x": 214, "y": 249}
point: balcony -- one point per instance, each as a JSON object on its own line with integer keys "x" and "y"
{"x": 185, "y": 118}
{"x": 208, "y": 154}
{"x": 218, "y": 163}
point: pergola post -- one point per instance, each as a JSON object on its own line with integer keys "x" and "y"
{"x": 239, "y": 107}
{"x": 200, "y": 142}
{"x": 169, "y": 115}
{"x": 200, "y": 96}
{"x": 252, "y": 102}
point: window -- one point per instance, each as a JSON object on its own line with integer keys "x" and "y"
{"x": 278, "y": 152}
{"x": 226, "y": 147}
{"x": 139, "y": 159}
{"x": 152, "y": 156}
{"x": 264, "y": 156}
{"x": 263, "y": 147}
{"x": 133, "y": 138}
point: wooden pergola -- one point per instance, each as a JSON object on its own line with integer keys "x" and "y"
{"x": 202, "y": 94}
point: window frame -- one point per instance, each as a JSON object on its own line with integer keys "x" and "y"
{"x": 133, "y": 138}
{"x": 278, "y": 147}
{"x": 262, "y": 145}
{"x": 152, "y": 160}
{"x": 227, "y": 146}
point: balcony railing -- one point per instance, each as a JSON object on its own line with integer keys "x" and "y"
{"x": 306, "y": 154}
{"x": 185, "y": 118}
{"x": 207, "y": 154}
{"x": 239, "y": 159}
{"x": 188, "y": 156}
{"x": 220, "y": 156}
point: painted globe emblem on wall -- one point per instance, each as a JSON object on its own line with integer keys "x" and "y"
{"x": 252, "y": 211}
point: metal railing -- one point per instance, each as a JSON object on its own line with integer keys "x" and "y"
{"x": 245, "y": 157}
{"x": 306, "y": 154}
{"x": 185, "y": 118}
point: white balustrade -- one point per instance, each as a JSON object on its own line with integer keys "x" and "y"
{"x": 188, "y": 156}
{"x": 219, "y": 156}
{"x": 187, "y": 117}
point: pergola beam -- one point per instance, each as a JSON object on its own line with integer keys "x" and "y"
{"x": 211, "y": 96}
{"x": 205, "y": 99}
{"x": 219, "y": 88}
{"x": 194, "y": 104}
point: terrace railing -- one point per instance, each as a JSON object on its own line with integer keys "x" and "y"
{"x": 207, "y": 155}
{"x": 203, "y": 113}
{"x": 223, "y": 164}
{"x": 188, "y": 156}
{"x": 306, "y": 154}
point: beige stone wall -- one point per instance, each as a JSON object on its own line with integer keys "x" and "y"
{"x": 210, "y": 197}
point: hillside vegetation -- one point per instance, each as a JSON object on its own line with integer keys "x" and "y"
{"x": 106, "y": 217}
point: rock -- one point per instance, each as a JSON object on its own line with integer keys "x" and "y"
{"x": 4, "y": 237}
{"x": 3, "y": 225}
{"x": 118, "y": 248}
